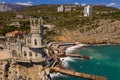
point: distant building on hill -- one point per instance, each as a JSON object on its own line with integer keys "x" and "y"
{"x": 49, "y": 26}
{"x": 63, "y": 8}
{"x": 68, "y": 8}
{"x": 60, "y": 9}
{"x": 15, "y": 24}
{"x": 12, "y": 34}
{"x": 19, "y": 16}
{"x": 88, "y": 10}
{"x": 15, "y": 33}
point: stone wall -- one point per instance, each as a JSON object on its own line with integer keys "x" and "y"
{"x": 3, "y": 69}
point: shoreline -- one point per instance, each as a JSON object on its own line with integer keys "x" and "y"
{"x": 101, "y": 44}
{"x": 96, "y": 44}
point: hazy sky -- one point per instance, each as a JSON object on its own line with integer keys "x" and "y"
{"x": 114, "y": 3}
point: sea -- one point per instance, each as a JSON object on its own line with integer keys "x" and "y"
{"x": 104, "y": 61}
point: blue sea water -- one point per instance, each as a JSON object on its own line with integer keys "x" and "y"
{"x": 105, "y": 61}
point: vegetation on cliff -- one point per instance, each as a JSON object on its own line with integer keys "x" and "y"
{"x": 66, "y": 22}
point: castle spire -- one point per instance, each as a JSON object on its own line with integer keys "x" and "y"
{"x": 36, "y": 32}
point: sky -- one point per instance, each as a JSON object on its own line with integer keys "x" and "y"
{"x": 110, "y": 3}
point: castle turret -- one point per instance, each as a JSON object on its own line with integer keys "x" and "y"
{"x": 36, "y": 32}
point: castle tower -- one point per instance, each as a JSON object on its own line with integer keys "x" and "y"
{"x": 36, "y": 32}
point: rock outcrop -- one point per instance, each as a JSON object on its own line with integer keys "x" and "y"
{"x": 107, "y": 32}
{"x": 11, "y": 70}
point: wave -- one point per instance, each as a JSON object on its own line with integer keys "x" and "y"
{"x": 66, "y": 60}
{"x": 54, "y": 75}
{"x": 65, "y": 63}
{"x": 71, "y": 49}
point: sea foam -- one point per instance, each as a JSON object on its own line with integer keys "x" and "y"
{"x": 72, "y": 48}
{"x": 69, "y": 50}
{"x": 53, "y": 75}
{"x": 66, "y": 60}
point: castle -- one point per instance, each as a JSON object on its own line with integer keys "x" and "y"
{"x": 25, "y": 57}
{"x": 31, "y": 48}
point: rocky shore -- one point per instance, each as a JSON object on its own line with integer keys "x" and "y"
{"x": 16, "y": 71}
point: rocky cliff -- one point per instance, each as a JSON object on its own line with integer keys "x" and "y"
{"x": 108, "y": 31}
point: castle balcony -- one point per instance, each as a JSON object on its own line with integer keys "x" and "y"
{"x": 30, "y": 46}
{"x": 37, "y": 46}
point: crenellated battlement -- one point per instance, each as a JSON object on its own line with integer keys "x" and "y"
{"x": 36, "y": 32}
{"x": 13, "y": 42}
{"x": 35, "y": 23}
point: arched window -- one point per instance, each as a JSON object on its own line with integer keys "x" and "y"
{"x": 28, "y": 41}
{"x": 14, "y": 53}
{"x": 35, "y": 41}
{"x": 0, "y": 63}
{"x": 36, "y": 54}
{"x": 25, "y": 54}
{"x": 30, "y": 54}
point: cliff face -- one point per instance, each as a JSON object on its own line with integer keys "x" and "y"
{"x": 35, "y": 72}
{"x": 14, "y": 71}
{"x": 108, "y": 31}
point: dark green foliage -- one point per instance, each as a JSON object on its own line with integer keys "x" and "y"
{"x": 25, "y": 25}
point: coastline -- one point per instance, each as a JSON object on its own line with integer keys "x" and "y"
{"x": 102, "y": 44}
{"x": 79, "y": 45}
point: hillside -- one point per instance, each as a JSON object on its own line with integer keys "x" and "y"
{"x": 4, "y": 8}
{"x": 102, "y": 27}
{"x": 106, "y": 32}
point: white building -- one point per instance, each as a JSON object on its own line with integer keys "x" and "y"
{"x": 88, "y": 11}
{"x": 18, "y": 16}
{"x": 60, "y": 9}
{"x": 15, "y": 24}
{"x": 68, "y": 8}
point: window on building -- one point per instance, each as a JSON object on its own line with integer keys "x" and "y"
{"x": 19, "y": 55}
{"x": 25, "y": 54}
{"x": 1, "y": 72}
{"x": 35, "y": 41}
{"x": 0, "y": 63}
{"x": 29, "y": 78}
{"x": 28, "y": 41}
{"x": 14, "y": 53}
{"x": 30, "y": 53}
{"x": 36, "y": 54}
{"x": 20, "y": 77}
